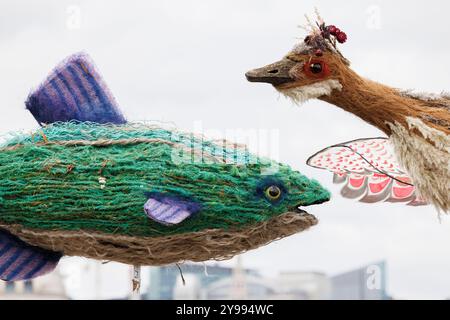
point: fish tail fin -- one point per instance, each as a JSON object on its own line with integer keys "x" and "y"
{"x": 21, "y": 261}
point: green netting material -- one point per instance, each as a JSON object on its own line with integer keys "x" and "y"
{"x": 49, "y": 186}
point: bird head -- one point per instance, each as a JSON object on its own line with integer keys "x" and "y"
{"x": 312, "y": 69}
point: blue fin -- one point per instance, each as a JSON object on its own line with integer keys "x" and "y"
{"x": 20, "y": 261}
{"x": 74, "y": 90}
{"x": 169, "y": 210}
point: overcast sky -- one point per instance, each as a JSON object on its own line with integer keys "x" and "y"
{"x": 184, "y": 62}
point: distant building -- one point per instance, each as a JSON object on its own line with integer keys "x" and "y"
{"x": 365, "y": 283}
{"x": 240, "y": 286}
{"x": 190, "y": 290}
{"x": 166, "y": 281}
{"x": 48, "y": 287}
{"x": 253, "y": 288}
{"x": 224, "y": 283}
{"x": 287, "y": 286}
{"x": 301, "y": 285}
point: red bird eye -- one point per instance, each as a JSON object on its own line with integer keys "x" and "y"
{"x": 316, "y": 69}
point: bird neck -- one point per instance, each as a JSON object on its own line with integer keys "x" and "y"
{"x": 373, "y": 102}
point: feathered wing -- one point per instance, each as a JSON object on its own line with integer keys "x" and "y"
{"x": 369, "y": 171}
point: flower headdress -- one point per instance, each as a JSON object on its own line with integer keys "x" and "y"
{"x": 321, "y": 37}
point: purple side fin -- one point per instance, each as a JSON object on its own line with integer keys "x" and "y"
{"x": 74, "y": 90}
{"x": 169, "y": 210}
{"x": 21, "y": 261}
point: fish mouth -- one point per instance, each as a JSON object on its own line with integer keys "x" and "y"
{"x": 298, "y": 209}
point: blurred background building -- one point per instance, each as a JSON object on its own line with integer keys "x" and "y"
{"x": 166, "y": 282}
{"x": 221, "y": 283}
{"x": 48, "y": 287}
{"x": 365, "y": 283}
{"x": 217, "y": 282}
{"x": 191, "y": 281}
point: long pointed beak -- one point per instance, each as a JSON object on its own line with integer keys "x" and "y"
{"x": 276, "y": 73}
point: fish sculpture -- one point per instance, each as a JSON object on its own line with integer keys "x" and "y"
{"x": 89, "y": 183}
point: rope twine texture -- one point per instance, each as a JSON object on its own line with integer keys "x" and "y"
{"x": 212, "y": 244}
{"x": 80, "y": 188}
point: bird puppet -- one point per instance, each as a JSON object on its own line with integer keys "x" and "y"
{"x": 411, "y": 165}
{"x": 89, "y": 183}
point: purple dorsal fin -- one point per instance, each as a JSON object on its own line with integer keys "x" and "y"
{"x": 74, "y": 90}
{"x": 21, "y": 261}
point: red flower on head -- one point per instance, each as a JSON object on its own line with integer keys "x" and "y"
{"x": 341, "y": 37}
{"x": 332, "y": 29}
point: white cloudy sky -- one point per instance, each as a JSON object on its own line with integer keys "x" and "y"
{"x": 184, "y": 62}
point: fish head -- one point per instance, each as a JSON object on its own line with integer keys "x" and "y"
{"x": 236, "y": 196}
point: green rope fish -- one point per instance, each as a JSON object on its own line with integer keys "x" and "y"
{"x": 137, "y": 194}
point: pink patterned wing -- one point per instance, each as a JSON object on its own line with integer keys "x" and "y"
{"x": 369, "y": 171}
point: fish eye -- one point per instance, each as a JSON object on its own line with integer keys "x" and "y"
{"x": 272, "y": 193}
{"x": 316, "y": 67}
